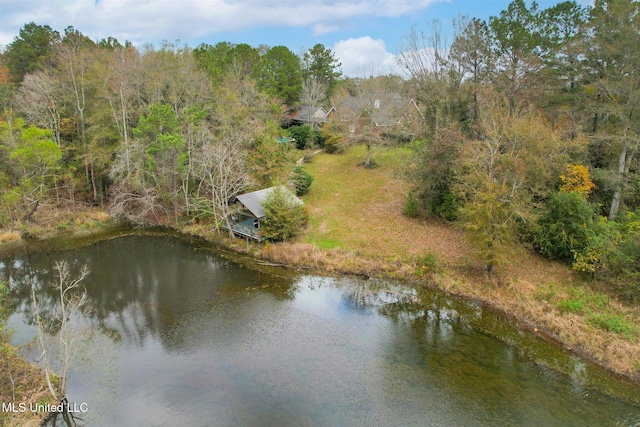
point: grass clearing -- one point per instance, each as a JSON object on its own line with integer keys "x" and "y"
{"x": 360, "y": 209}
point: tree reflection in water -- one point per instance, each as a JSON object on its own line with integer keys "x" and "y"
{"x": 244, "y": 345}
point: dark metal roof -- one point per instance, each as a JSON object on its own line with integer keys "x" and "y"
{"x": 253, "y": 201}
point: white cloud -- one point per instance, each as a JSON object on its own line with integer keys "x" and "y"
{"x": 320, "y": 29}
{"x": 364, "y": 57}
{"x": 143, "y": 21}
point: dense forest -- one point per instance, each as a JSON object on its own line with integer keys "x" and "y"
{"x": 528, "y": 135}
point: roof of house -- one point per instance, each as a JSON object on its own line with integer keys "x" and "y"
{"x": 385, "y": 109}
{"x": 253, "y": 201}
{"x": 310, "y": 114}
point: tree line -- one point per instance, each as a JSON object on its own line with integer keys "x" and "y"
{"x": 162, "y": 134}
{"x": 528, "y": 135}
{"x": 533, "y": 134}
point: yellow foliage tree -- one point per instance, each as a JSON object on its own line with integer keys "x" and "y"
{"x": 576, "y": 178}
{"x": 515, "y": 160}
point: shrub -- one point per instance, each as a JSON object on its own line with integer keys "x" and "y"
{"x": 411, "y": 207}
{"x": 621, "y": 268}
{"x": 284, "y": 217}
{"x": 318, "y": 137}
{"x": 306, "y": 137}
{"x": 301, "y": 180}
{"x": 428, "y": 264}
{"x": 565, "y": 227}
{"x": 302, "y": 135}
{"x": 334, "y": 141}
{"x": 613, "y": 256}
{"x": 308, "y": 155}
{"x": 446, "y": 205}
{"x": 602, "y": 243}
{"x": 334, "y": 144}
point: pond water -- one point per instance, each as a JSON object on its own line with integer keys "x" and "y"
{"x": 181, "y": 335}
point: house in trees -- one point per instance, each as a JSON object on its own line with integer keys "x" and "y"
{"x": 313, "y": 116}
{"x": 378, "y": 113}
{"x": 248, "y": 212}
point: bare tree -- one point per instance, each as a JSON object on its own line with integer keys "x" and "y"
{"x": 72, "y": 299}
{"x": 241, "y": 110}
{"x": 135, "y": 197}
{"x": 376, "y": 108}
{"x": 171, "y": 76}
{"x": 118, "y": 88}
{"x": 74, "y": 58}
{"x": 40, "y": 99}
{"x": 424, "y": 62}
{"x": 313, "y": 94}
{"x": 223, "y": 174}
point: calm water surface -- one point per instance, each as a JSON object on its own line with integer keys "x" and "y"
{"x": 179, "y": 335}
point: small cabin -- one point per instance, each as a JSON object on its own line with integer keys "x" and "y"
{"x": 248, "y": 213}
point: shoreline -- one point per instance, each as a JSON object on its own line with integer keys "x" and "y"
{"x": 312, "y": 260}
{"x": 442, "y": 281}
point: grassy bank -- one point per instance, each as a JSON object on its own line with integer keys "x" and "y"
{"x": 20, "y": 382}
{"x": 51, "y": 221}
{"x": 356, "y": 226}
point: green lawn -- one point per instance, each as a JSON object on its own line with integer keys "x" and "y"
{"x": 355, "y": 208}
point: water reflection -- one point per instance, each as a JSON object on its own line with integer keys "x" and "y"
{"x": 140, "y": 287}
{"x": 490, "y": 383}
{"x": 185, "y": 337}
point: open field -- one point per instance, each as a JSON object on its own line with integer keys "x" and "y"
{"x": 360, "y": 209}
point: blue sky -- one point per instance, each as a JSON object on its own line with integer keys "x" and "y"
{"x": 365, "y": 34}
